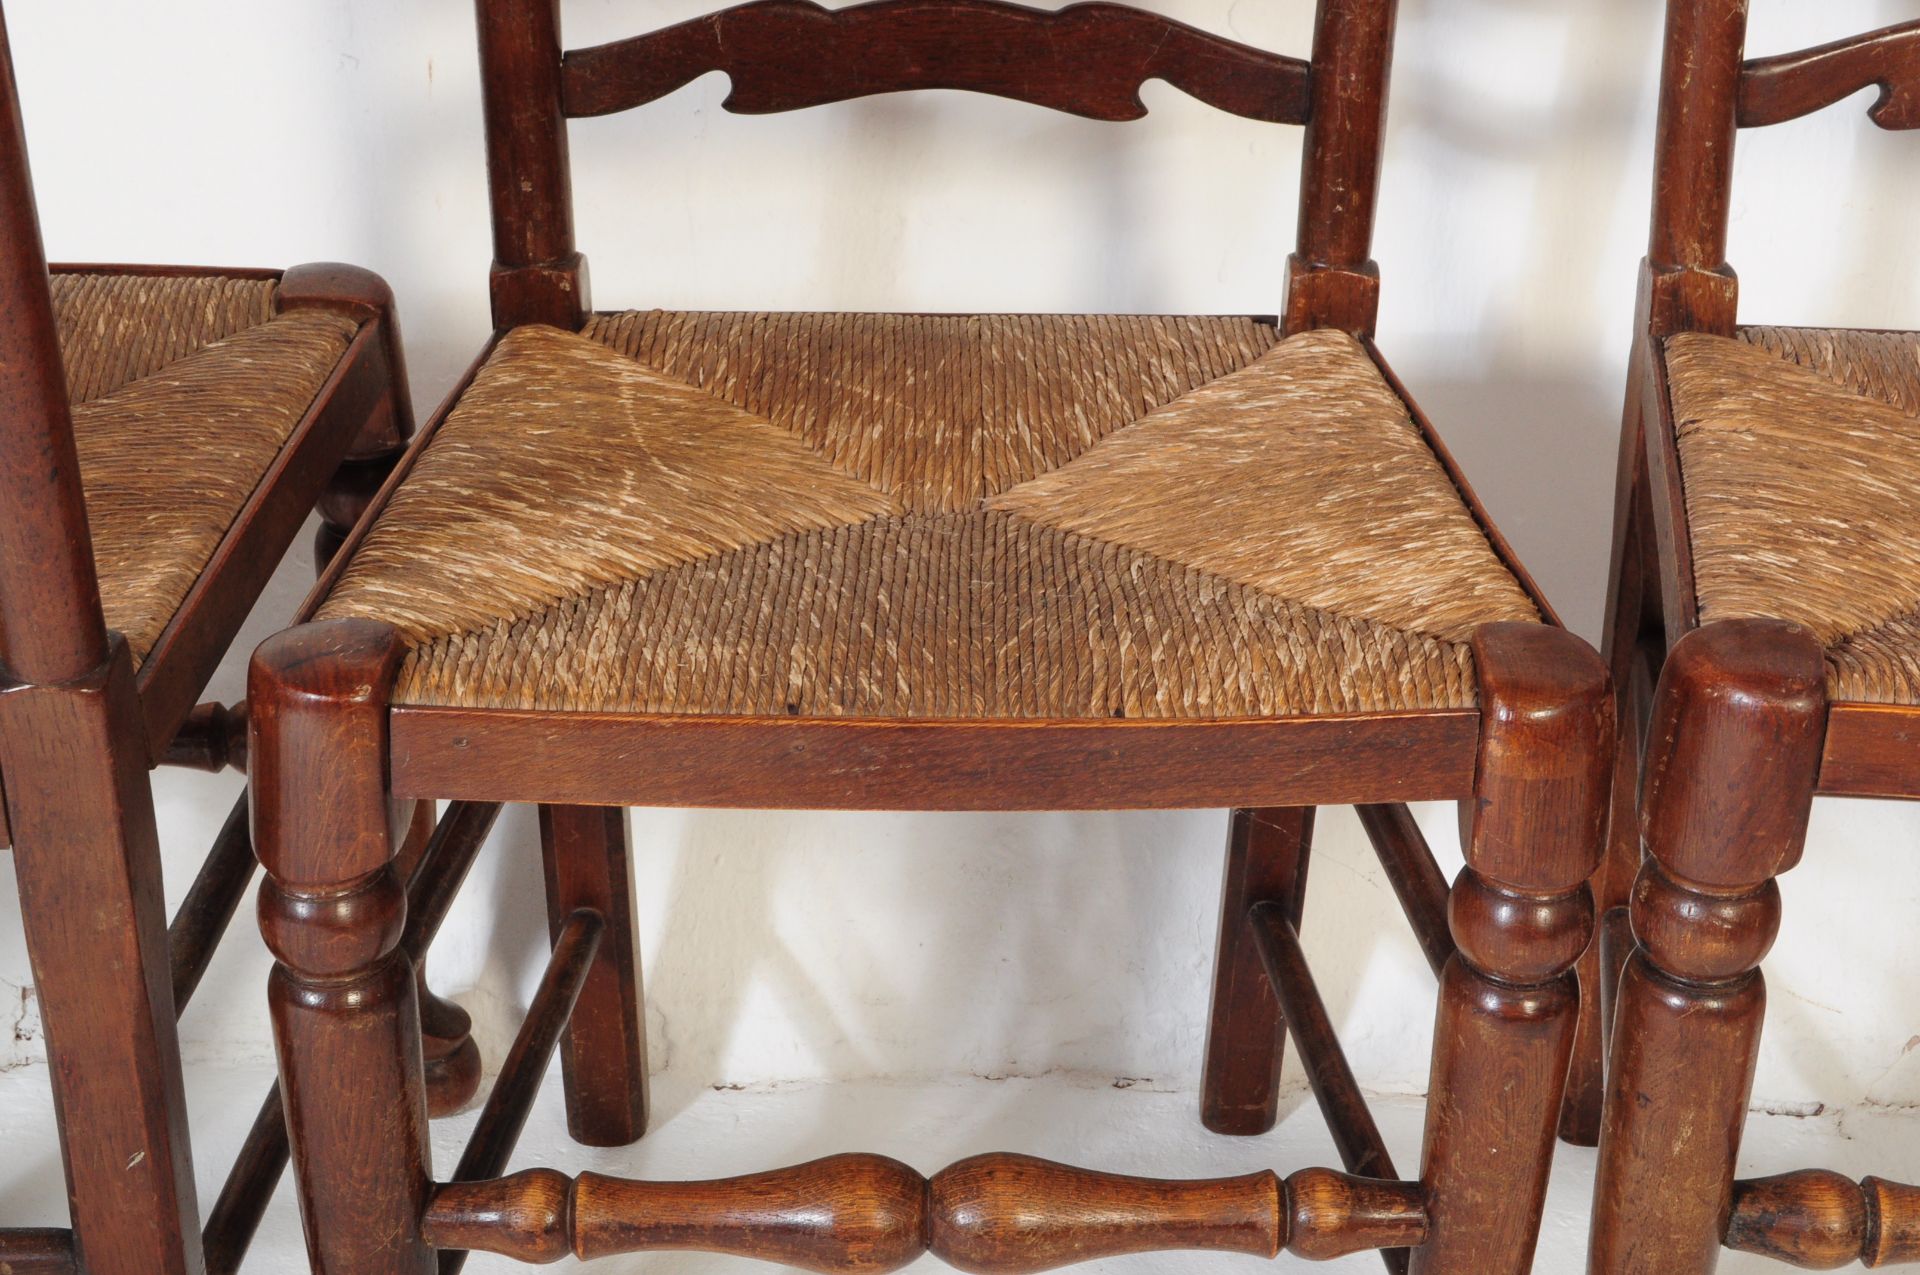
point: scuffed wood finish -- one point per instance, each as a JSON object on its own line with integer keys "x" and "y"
{"x": 333, "y": 913}
{"x": 442, "y": 865}
{"x": 1693, "y": 148}
{"x": 1085, "y": 59}
{"x": 1821, "y": 1221}
{"x": 996, "y": 1214}
{"x": 1267, "y": 854}
{"x": 87, "y": 855}
{"x": 857, "y": 764}
{"x": 1872, "y": 750}
{"x": 1731, "y": 760}
{"x": 1332, "y": 280}
{"x": 1521, "y": 915}
{"x": 588, "y": 862}
{"x": 37, "y": 1252}
{"x": 1776, "y": 89}
{"x": 537, "y": 275}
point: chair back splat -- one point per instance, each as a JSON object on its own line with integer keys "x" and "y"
{"x": 783, "y": 55}
{"x": 1709, "y": 91}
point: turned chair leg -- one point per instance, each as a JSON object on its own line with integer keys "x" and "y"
{"x": 1633, "y": 626}
{"x": 1732, "y": 761}
{"x": 446, "y": 1030}
{"x": 1267, "y": 853}
{"x": 604, "y": 1053}
{"x": 332, "y": 910}
{"x": 1521, "y": 914}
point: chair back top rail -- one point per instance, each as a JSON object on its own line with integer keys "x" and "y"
{"x": 1086, "y": 59}
{"x": 1710, "y": 90}
{"x": 51, "y": 627}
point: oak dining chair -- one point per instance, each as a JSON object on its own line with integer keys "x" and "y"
{"x": 1763, "y": 635}
{"x": 164, "y": 434}
{"x": 1011, "y": 562}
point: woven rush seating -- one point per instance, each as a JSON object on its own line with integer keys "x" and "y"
{"x": 184, "y": 390}
{"x": 1799, "y": 450}
{"x": 933, "y": 517}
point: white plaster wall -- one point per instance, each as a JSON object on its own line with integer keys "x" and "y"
{"x": 782, "y": 947}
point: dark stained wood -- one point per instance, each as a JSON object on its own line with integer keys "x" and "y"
{"x": 1694, "y": 137}
{"x": 1633, "y": 646}
{"x": 50, "y": 625}
{"x": 1732, "y": 755}
{"x": 998, "y": 1214}
{"x": 251, "y": 1181}
{"x": 1012, "y": 1213}
{"x": 1784, "y": 87}
{"x": 1332, "y": 280}
{"x": 188, "y": 650}
{"x": 1416, "y": 879}
{"x": 208, "y": 908}
{"x": 1085, "y": 59}
{"x": 538, "y": 277}
{"x": 333, "y": 914}
{"x": 505, "y": 1114}
{"x": 440, "y": 868}
{"x": 1521, "y": 916}
{"x": 857, "y": 764}
{"x": 850, "y": 1213}
{"x": 212, "y": 738}
{"x": 588, "y": 862}
{"x": 37, "y": 1252}
{"x": 1679, "y": 602}
{"x": 1871, "y": 750}
{"x": 85, "y": 846}
{"x": 331, "y": 285}
{"x": 1355, "y": 1135}
{"x": 1267, "y": 856}
{"x": 1818, "y": 1220}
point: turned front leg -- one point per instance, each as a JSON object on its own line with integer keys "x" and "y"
{"x": 1521, "y": 914}
{"x": 1732, "y": 758}
{"x": 332, "y": 911}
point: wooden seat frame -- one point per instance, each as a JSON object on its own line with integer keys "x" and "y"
{"x": 336, "y": 766}
{"x": 80, "y": 727}
{"x": 1737, "y": 730}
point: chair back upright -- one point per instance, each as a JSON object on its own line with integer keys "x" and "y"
{"x": 1087, "y": 59}
{"x": 1709, "y": 90}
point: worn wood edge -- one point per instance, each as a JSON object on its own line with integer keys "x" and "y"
{"x": 1872, "y": 750}
{"x": 1680, "y": 600}
{"x": 624, "y": 74}
{"x": 165, "y": 271}
{"x": 895, "y": 764}
{"x": 1484, "y": 520}
{"x": 37, "y": 1251}
{"x": 1787, "y": 86}
{"x": 183, "y": 658}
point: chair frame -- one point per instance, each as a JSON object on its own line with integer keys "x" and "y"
{"x": 79, "y": 729}
{"x": 1736, "y": 727}
{"x": 336, "y": 767}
